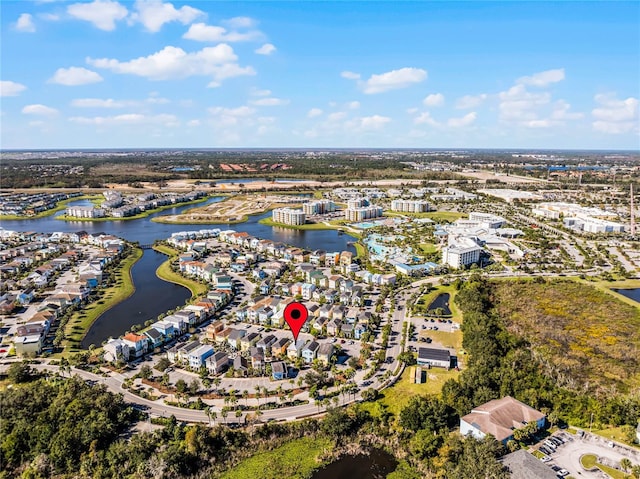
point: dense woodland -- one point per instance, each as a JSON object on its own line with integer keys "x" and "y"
{"x": 55, "y": 427}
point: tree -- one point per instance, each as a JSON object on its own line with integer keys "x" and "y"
{"x": 370, "y": 394}
{"x": 145, "y": 372}
{"x": 625, "y": 464}
{"x": 194, "y": 387}
{"x": 19, "y": 373}
{"x": 181, "y": 385}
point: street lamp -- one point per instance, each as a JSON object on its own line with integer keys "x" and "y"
{"x": 590, "y": 423}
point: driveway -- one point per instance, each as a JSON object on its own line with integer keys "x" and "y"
{"x": 568, "y": 455}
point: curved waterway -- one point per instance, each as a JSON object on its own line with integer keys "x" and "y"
{"x": 154, "y": 296}
{"x": 377, "y": 465}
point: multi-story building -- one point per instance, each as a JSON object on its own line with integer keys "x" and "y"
{"x": 289, "y": 216}
{"x": 461, "y": 253}
{"x": 85, "y": 212}
{"x": 410, "y": 206}
{"x": 320, "y": 207}
{"x": 357, "y": 203}
{"x": 364, "y": 213}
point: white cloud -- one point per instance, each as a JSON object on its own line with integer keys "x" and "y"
{"x": 517, "y": 104}
{"x": 374, "y": 122}
{"x": 41, "y": 110}
{"x": 153, "y": 14}
{"x": 615, "y": 116}
{"x": 470, "y": 101}
{"x": 11, "y": 88}
{"x": 193, "y": 123}
{"x": 202, "y": 32}
{"x": 98, "y": 103}
{"x": 543, "y": 79}
{"x": 172, "y": 62}
{"x": 336, "y": 116}
{"x": 127, "y": 119}
{"x": 270, "y": 102}
{"x": 240, "y": 22}
{"x": 225, "y": 117}
{"x": 466, "y": 120}
{"x": 561, "y": 112}
{"x": 102, "y": 13}
{"x": 425, "y": 118}
{"x": 25, "y": 23}
{"x": 353, "y": 105}
{"x": 435, "y": 99}
{"x": 266, "y": 49}
{"x": 74, "y": 76}
{"x": 314, "y": 112}
{"x": 258, "y": 92}
{"x": 350, "y": 75}
{"x": 50, "y": 17}
{"x": 392, "y": 80}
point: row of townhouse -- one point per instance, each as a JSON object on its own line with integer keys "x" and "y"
{"x": 32, "y": 340}
{"x": 132, "y": 346}
{"x": 31, "y": 203}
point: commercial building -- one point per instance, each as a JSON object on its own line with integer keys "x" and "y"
{"x": 461, "y": 252}
{"x": 357, "y": 203}
{"x": 410, "y": 206}
{"x": 487, "y": 220}
{"x": 500, "y": 418}
{"x": 289, "y": 216}
{"x": 434, "y": 357}
{"x": 364, "y": 213}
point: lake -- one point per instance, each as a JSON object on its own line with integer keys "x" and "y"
{"x": 377, "y": 465}
{"x": 441, "y": 301}
{"x": 630, "y": 293}
{"x": 154, "y": 296}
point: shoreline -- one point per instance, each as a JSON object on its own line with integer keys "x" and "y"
{"x": 165, "y": 273}
{"x": 93, "y": 311}
{"x": 43, "y": 214}
{"x": 144, "y": 214}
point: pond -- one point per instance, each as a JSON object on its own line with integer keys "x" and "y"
{"x": 630, "y": 293}
{"x": 441, "y": 301}
{"x": 377, "y": 465}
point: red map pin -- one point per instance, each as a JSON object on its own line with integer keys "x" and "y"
{"x": 295, "y": 314}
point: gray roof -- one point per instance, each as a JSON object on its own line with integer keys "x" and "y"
{"x": 523, "y": 465}
{"x": 433, "y": 353}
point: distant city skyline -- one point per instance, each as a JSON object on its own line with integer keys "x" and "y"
{"x": 154, "y": 74}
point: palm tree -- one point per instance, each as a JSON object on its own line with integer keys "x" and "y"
{"x": 245, "y": 396}
{"x": 625, "y": 464}
{"x": 224, "y": 413}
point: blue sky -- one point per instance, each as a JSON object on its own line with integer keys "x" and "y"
{"x": 150, "y": 73}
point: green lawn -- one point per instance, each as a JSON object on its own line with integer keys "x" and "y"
{"x": 427, "y": 248}
{"x": 82, "y": 320}
{"x": 296, "y": 459}
{"x": 165, "y": 273}
{"x": 590, "y": 460}
{"x": 398, "y": 395}
{"x": 425, "y": 300}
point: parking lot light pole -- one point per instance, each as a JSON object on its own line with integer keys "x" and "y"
{"x": 590, "y": 423}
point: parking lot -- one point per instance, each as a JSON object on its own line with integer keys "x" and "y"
{"x": 566, "y": 455}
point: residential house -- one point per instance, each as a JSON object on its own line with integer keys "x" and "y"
{"x": 266, "y": 343}
{"x": 278, "y": 370}
{"x": 116, "y": 350}
{"x": 359, "y": 329}
{"x": 235, "y": 336}
{"x": 217, "y": 363}
{"x": 155, "y": 337}
{"x": 240, "y": 365}
{"x": 325, "y": 351}
{"x": 333, "y": 327}
{"x": 279, "y": 348}
{"x": 248, "y": 341}
{"x": 257, "y": 358}
{"x": 198, "y": 356}
{"x": 310, "y": 351}
{"x": 138, "y": 344}
{"x": 294, "y": 350}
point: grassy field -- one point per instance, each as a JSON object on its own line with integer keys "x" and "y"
{"x": 426, "y": 299}
{"x": 60, "y": 206}
{"x": 427, "y": 248}
{"x": 582, "y": 332}
{"x": 590, "y": 460}
{"x": 398, "y": 395}
{"x": 82, "y": 320}
{"x": 165, "y": 273}
{"x": 296, "y": 459}
{"x": 616, "y": 434}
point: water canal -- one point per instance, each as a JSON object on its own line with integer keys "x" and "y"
{"x": 377, "y": 465}
{"x": 154, "y": 296}
{"x": 630, "y": 293}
